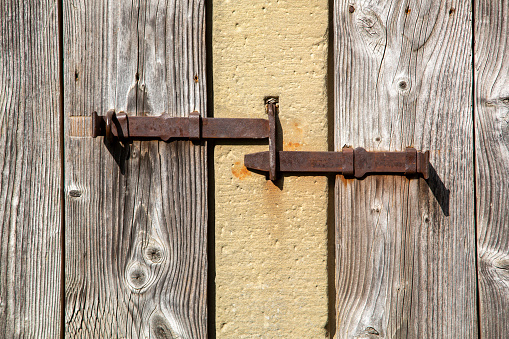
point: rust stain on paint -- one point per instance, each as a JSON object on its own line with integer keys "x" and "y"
{"x": 240, "y": 171}
{"x": 291, "y": 146}
{"x": 298, "y": 130}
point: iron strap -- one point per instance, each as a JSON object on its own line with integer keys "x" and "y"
{"x": 165, "y": 127}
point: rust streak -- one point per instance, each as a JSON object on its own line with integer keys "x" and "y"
{"x": 291, "y": 146}
{"x": 344, "y": 180}
{"x": 240, "y": 171}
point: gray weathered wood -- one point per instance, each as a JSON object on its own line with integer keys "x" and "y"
{"x": 405, "y": 249}
{"x": 136, "y": 214}
{"x": 492, "y": 163}
{"x": 30, "y": 208}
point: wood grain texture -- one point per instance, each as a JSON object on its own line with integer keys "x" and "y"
{"x": 492, "y": 163}
{"x": 137, "y": 213}
{"x": 30, "y": 200}
{"x": 405, "y": 248}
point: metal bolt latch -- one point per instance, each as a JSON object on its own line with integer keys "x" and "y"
{"x": 165, "y": 127}
{"x": 350, "y": 162}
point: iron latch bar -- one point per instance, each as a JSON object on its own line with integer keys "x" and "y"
{"x": 193, "y": 127}
{"x": 165, "y": 127}
{"x": 350, "y": 162}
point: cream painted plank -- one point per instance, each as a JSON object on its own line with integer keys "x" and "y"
{"x": 492, "y": 163}
{"x": 30, "y": 199}
{"x": 405, "y": 248}
{"x": 271, "y": 240}
{"x": 136, "y": 262}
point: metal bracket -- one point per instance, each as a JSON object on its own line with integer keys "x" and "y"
{"x": 350, "y": 162}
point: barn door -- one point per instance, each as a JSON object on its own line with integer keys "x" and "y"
{"x": 405, "y": 248}
{"x": 136, "y": 213}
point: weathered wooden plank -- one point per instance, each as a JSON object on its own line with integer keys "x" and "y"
{"x": 30, "y": 200}
{"x": 137, "y": 214}
{"x": 405, "y": 249}
{"x": 491, "y": 107}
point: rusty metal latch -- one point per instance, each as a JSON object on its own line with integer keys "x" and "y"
{"x": 165, "y": 127}
{"x": 350, "y": 162}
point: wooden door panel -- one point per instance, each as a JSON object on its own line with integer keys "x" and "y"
{"x": 491, "y": 107}
{"x": 30, "y": 167}
{"x": 405, "y": 248}
{"x": 137, "y": 223}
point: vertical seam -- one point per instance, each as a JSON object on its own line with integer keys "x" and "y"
{"x": 211, "y": 203}
{"x": 478, "y": 294}
{"x": 331, "y": 180}
{"x": 62, "y": 164}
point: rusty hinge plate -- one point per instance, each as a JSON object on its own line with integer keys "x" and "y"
{"x": 350, "y": 162}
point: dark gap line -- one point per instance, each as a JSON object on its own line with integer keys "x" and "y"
{"x": 211, "y": 201}
{"x": 137, "y": 75}
{"x": 331, "y": 206}
{"x": 478, "y": 299}
{"x": 60, "y": 9}
{"x": 331, "y": 258}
